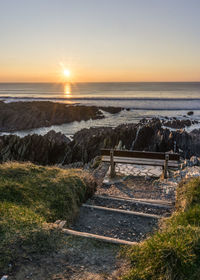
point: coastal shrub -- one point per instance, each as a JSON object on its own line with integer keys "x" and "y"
{"x": 31, "y": 199}
{"x": 172, "y": 253}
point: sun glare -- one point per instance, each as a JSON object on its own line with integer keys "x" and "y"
{"x": 66, "y": 73}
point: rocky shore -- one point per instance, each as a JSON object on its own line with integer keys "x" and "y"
{"x": 56, "y": 148}
{"x": 178, "y": 124}
{"x": 147, "y": 135}
{"x": 29, "y": 115}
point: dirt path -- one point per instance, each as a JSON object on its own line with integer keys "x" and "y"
{"x": 79, "y": 259}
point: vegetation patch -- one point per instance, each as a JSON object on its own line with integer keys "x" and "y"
{"x": 31, "y": 198}
{"x": 172, "y": 253}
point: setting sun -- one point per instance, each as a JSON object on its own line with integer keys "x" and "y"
{"x": 66, "y": 72}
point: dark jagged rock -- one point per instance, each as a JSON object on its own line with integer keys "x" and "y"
{"x": 112, "y": 110}
{"x": 48, "y": 149}
{"x": 178, "y": 124}
{"x": 190, "y": 113}
{"x": 87, "y": 143}
{"x": 195, "y": 132}
{"x": 195, "y": 142}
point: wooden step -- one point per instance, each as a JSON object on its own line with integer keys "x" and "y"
{"x": 126, "y": 212}
{"x": 98, "y": 237}
{"x": 130, "y": 205}
{"x": 150, "y": 202}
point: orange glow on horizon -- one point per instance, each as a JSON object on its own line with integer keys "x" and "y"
{"x": 81, "y": 74}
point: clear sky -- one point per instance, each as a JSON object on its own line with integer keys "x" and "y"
{"x": 100, "y": 40}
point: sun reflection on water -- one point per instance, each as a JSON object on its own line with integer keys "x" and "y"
{"x": 67, "y": 90}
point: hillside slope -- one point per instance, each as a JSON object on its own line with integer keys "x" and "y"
{"x": 31, "y": 198}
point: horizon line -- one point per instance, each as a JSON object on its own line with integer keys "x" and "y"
{"x": 106, "y": 82}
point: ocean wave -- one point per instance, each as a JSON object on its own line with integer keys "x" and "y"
{"x": 154, "y": 104}
{"x": 100, "y": 98}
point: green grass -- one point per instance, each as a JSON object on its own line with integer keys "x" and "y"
{"x": 31, "y": 198}
{"x": 172, "y": 253}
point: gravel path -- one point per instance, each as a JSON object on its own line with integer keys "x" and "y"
{"x": 129, "y": 205}
{"x": 136, "y": 187}
{"x": 112, "y": 224}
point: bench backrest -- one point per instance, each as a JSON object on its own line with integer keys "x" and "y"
{"x": 139, "y": 154}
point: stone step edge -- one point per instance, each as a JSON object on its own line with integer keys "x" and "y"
{"x": 98, "y": 237}
{"x": 156, "y": 203}
{"x": 145, "y": 215}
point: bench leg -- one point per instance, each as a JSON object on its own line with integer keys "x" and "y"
{"x": 165, "y": 170}
{"x": 112, "y": 165}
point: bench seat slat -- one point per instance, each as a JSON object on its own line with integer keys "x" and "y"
{"x": 141, "y": 161}
{"x": 140, "y": 154}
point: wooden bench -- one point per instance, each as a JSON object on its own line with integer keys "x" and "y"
{"x": 166, "y": 160}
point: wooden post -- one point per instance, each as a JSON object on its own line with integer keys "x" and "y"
{"x": 166, "y": 166}
{"x": 112, "y": 164}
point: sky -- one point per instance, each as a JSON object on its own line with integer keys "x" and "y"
{"x": 99, "y": 40}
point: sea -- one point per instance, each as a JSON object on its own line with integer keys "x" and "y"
{"x": 142, "y": 99}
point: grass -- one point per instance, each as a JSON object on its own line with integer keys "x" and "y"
{"x": 31, "y": 198}
{"x": 172, "y": 253}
